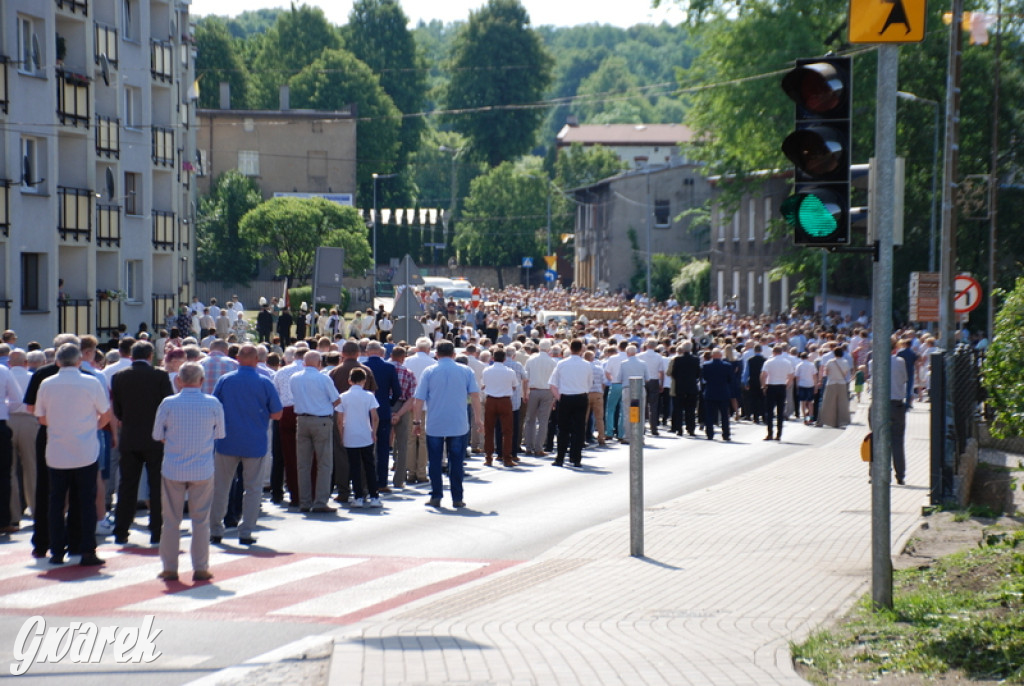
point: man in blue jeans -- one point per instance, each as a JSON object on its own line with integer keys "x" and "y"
{"x": 444, "y": 389}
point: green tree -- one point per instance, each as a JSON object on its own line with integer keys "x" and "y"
{"x": 498, "y": 63}
{"x": 336, "y": 80}
{"x": 612, "y": 95}
{"x": 289, "y": 230}
{"x": 222, "y": 254}
{"x": 216, "y": 61}
{"x": 579, "y": 166}
{"x": 293, "y": 43}
{"x": 693, "y": 283}
{"x": 1003, "y": 369}
{"x": 377, "y": 34}
{"x": 505, "y": 216}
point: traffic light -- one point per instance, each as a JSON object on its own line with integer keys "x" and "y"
{"x": 819, "y": 210}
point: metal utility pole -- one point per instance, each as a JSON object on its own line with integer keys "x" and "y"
{"x": 636, "y": 466}
{"x": 881, "y": 350}
{"x": 993, "y": 200}
{"x": 951, "y": 154}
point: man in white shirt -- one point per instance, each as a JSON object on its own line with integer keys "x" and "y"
{"x": 499, "y": 386}
{"x": 656, "y": 366}
{"x": 421, "y": 360}
{"x": 776, "y": 377}
{"x": 539, "y": 368}
{"x": 570, "y": 384}
{"x": 611, "y": 410}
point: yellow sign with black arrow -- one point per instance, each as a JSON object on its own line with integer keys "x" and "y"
{"x": 887, "y": 21}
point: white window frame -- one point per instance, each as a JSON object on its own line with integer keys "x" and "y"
{"x": 716, "y": 223}
{"x": 751, "y": 219}
{"x": 249, "y": 162}
{"x": 132, "y": 108}
{"x": 767, "y": 215}
{"x": 39, "y": 285}
{"x": 133, "y": 194}
{"x": 129, "y": 20}
{"x": 133, "y": 280}
{"x": 668, "y": 216}
{"x": 28, "y": 62}
{"x": 34, "y": 149}
{"x": 736, "y": 225}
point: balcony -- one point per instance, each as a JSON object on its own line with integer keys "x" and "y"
{"x": 4, "y": 97}
{"x": 75, "y": 316}
{"x": 108, "y": 225}
{"x": 108, "y": 317}
{"x": 161, "y": 303}
{"x": 105, "y": 43}
{"x": 163, "y": 146}
{"x": 161, "y": 60}
{"x": 75, "y": 219}
{"x": 108, "y": 136}
{"x": 74, "y": 6}
{"x": 163, "y": 230}
{"x": 72, "y": 98}
{"x": 5, "y": 207}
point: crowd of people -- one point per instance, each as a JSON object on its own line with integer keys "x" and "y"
{"x": 216, "y": 419}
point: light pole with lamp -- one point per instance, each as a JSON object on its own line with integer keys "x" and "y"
{"x": 910, "y": 97}
{"x": 376, "y": 177}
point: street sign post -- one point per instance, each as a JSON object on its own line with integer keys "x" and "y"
{"x": 967, "y": 294}
{"x": 887, "y": 21}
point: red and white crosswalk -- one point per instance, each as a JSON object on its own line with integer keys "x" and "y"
{"x": 247, "y": 586}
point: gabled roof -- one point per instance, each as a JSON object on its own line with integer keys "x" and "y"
{"x": 625, "y": 134}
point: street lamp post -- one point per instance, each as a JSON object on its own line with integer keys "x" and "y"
{"x": 376, "y": 177}
{"x": 910, "y": 97}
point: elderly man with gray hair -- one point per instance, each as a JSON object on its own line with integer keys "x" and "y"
{"x": 188, "y": 424}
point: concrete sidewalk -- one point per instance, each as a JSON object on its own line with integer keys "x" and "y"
{"x": 733, "y": 573}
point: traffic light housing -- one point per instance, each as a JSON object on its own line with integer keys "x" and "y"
{"x": 819, "y": 210}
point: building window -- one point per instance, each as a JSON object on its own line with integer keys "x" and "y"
{"x": 717, "y": 227}
{"x": 249, "y": 162}
{"x": 736, "y": 225}
{"x": 133, "y": 280}
{"x": 132, "y": 193}
{"x": 132, "y": 107}
{"x": 33, "y": 279}
{"x": 661, "y": 214}
{"x": 129, "y": 19}
{"x": 767, "y": 216}
{"x": 751, "y": 219}
{"x": 30, "y": 49}
{"x": 202, "y": 160}
{"x": 33, "y": 165}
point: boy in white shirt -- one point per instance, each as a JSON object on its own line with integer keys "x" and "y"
{"x": 357, "y": 426}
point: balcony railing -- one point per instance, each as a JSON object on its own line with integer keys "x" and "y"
{"x": 163, "y": 230}
{"x": 74, "y": 5}
{"x": 163, "y": 146}
{"x": 108, "y": 225}
{"x": 4, "y": 96}
{"x": 161, "y": 303}
{"x": 108, "y": 136}
{"x": 75, "y": 316}
{"x": 105, "y": 43}
{"x": 161, "y": 60}
{"x": 184, "y": 235}
{"x": 5, "y": 207}
{"x": 5, "y": 313}
{"x": 75, "y": 213}
{"x": 108, "y": 317}
{"x": 72, "y": 98}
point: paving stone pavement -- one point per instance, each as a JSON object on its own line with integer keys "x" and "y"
{"x": 732, "y": 574}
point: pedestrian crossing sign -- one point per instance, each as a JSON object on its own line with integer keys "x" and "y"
{"x": 887, "y": 21}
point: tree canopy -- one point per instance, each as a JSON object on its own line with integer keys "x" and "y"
{"x": 289, "y": 230}
{"x": 222, "y": 254}
{"x": 217, "y": 60}
{"x": 500, "y": 70}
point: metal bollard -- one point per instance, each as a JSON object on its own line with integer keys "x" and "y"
{"x": 636, "y": 466}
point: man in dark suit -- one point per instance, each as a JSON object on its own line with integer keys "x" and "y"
{"x": 752, "y": 385}
{"x": 136, "y": 393}
{"x": 389, "y": 390}
{"x": 684, "y": 371}
{"x": 717, "y": 376}
{"x": 284, "y": 327}
{"x": 264, "y": 324}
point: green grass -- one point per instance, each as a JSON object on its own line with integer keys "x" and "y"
{"x": 963, "y": 614}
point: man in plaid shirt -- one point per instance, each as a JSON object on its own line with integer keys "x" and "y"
{"x": 401, "y": 422}
{"x": 216, "y": 365}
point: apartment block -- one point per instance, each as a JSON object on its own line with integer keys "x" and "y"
{"x": 97, "y": 160}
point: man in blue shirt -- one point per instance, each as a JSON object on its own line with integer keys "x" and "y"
{"x": 188, "y": 424}
{"x": 388, "y": 393}
{"x": 250, "y": 401}
{"x": 444, "y": 388}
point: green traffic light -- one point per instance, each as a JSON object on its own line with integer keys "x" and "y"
{"x": 815, "y": 217}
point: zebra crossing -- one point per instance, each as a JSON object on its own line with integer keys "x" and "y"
{"x": 247, "y": 586}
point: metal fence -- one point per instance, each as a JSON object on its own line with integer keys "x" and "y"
{"x": 956, "y": 401}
